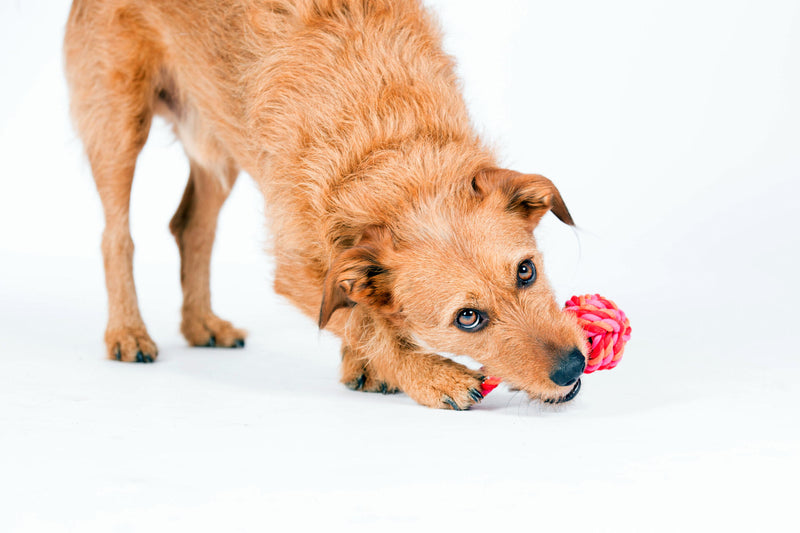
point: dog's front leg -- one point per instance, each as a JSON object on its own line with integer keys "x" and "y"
{"x": 378, "y": 361}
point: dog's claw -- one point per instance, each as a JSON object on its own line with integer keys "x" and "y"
{"x": 475, "y": 394}
{"x": 449, "y": 401}
{"x": 143, "y": 357}
{"x": 130, "y": 345}
{"x": 238, "y": 343}
{"x": 357, "y": 383}
{"x": 211, "y": 342}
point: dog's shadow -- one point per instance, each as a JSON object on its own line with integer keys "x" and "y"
{"x": 305, "y": 362}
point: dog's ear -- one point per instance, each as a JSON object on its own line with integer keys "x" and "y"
{"x": 531, "y": 195}
{"x": 359, "y": 275}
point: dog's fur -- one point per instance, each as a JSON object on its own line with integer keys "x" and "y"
{"x": 388, "y": 213}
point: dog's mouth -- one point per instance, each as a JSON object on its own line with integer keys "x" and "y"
{"x": 567, "y": 397}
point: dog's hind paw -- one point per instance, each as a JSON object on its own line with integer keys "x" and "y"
{"x": 130, "y": 345}
{"x": 211, "y": 331}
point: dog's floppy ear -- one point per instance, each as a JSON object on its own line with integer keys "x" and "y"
{"x": 358, "y": 275}
{"x": 531, "y": 195}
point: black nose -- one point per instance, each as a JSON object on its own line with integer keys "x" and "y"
{"x": 569, "y": 369}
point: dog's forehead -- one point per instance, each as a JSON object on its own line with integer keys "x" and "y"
{"x": 471, "y": 242}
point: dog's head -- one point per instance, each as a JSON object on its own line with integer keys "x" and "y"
{"x": 462, "y": 274}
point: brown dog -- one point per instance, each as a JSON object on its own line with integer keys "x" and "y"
{"x": 392, "y": 224}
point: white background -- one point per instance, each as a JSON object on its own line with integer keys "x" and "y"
{"x": 671, "y": 128}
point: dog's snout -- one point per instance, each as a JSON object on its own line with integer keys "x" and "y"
{"x": 569, "y": 369}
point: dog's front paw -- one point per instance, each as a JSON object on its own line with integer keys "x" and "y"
{"x": 444, "y": 384}
{"x": 131, "y": 345}
{"x": 358, "y": 374}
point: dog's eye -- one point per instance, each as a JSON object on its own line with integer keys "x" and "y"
{"x": 470, "y": 320}
{"x": 526, "y": 273}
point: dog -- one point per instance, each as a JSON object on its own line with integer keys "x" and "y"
{"x": 393, "y": 225}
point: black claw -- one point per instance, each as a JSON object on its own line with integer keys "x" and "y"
{"x": 357, "y": 383}
{"x": 384, "y": 389}
{"x": 449, "y": 401}
{"x": 475, "y": 394}
{"x": 118, "y": 355}
{"x": 139, "y": 357}
{"x": 148, "y": 359}
{"x": 238, "y": 343}
{"x": 211, "y": 342}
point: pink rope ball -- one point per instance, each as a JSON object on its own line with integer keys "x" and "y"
{"x": 606, "y": 326}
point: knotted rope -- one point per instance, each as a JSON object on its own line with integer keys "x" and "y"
{"x": 606, "y": 326}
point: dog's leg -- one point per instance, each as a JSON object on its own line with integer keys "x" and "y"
{"x": 110, "y": 66}
{"x": 126, "y": 337}
{"x": 194, "y": 226}
{"x": 113, "y": 158}
{"x": 377, "y": 362}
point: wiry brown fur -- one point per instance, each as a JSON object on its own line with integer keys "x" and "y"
{"x": 388, "y": 213}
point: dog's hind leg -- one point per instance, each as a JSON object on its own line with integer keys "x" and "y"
{"x": 110, "y": 84}
{"x": 126, "y": 337}
{"x": 194, "y": 226}
{"x": 113, "y": 145}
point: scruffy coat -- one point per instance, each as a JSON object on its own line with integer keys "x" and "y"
{"x": 388, "y": 214}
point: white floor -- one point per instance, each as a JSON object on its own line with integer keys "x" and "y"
{"x": 690, "y": 225}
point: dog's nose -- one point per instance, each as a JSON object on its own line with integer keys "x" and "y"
{"x": 569, "y": 369}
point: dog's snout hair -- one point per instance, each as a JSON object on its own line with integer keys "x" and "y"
{"x": 390, "y": 217}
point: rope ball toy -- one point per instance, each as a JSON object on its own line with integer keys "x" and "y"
{"x": 607, "y": 330}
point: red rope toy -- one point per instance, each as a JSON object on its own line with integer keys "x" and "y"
{"x": 607, "y": 330}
